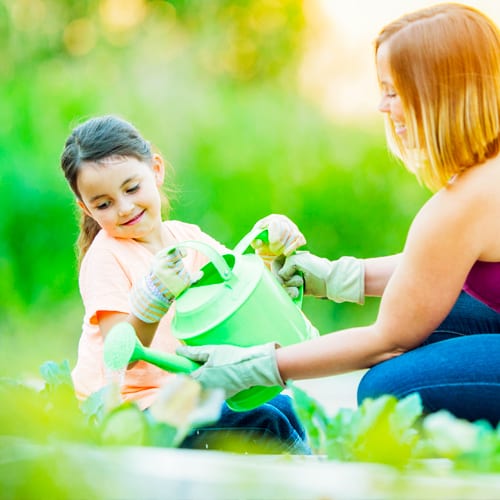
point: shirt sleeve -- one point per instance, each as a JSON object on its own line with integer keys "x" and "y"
{"x": 104, "y": 284}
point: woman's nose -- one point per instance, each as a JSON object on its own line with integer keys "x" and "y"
{"x": 383, "y": 105}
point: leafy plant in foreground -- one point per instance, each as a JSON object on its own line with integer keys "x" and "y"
{"x": 397, "y": 432}
{"x": 54, "y": 414}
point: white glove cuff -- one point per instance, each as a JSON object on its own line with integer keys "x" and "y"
{"x": 264, "y": 367}
{"x": 346, "y": 281}
{"x": 147, "y": 302}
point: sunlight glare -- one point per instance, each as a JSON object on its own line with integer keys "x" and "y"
{"x": 338, "y": 71}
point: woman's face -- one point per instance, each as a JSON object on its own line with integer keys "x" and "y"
{"x": 122, "y": 195}
{"x": 390, "y": 102}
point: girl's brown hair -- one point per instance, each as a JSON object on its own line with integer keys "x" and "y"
{"x": 445, "y": 65}
{"x": 95, "y": 140}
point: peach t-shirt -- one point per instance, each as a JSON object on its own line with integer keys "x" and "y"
{"x": 109, "y": 269}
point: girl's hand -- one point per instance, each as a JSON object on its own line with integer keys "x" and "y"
{"x": 152, "y": 296}
{"x": 283, "y": 235}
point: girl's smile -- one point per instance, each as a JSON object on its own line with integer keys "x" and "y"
{"x": 135, "y": 219}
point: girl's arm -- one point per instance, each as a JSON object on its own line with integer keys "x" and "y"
{"x": 170, "y": 278}
{"x": 145, "y": 331}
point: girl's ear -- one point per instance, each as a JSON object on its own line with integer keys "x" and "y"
{"x": 158, "y": 167}
{"x": 83, "y": 207}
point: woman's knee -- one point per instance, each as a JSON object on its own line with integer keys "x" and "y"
{"x": 460, "y": 375}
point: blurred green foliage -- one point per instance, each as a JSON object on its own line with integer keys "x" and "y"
{"x": 214, "y": 86}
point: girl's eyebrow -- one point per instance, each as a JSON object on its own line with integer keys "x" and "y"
{"x": 97, "y": 196}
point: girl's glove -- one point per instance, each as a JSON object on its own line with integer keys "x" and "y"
{"x": 283, "y": 235}
{"x": 152, "y": 296}
{"x": 341, "y": 280}
{"x": 234, "y": 369}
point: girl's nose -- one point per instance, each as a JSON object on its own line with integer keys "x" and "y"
{"x": 125, "y": 207}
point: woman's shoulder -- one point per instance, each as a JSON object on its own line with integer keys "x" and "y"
{"x": 467, "y": 207}
{"x": 470, "y": 190}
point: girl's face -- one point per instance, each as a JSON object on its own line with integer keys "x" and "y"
{"x": 122, "y": 195}
{"x": 390, "y": 102}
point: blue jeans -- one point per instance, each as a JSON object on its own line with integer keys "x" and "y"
{"x": 456, "y": 369}
{"x": 270, "y": 428}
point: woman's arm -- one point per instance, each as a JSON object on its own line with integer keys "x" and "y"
{"x": 443, "y": 243}
{"x": 378, "y": 271}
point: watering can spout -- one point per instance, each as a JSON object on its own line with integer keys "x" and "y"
{"x": 122, "y": 347}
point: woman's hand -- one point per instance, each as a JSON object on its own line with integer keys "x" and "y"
{"x": 339, "y": 280}
{"x": 234, "y": 369}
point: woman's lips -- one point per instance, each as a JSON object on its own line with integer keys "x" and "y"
{"x": 134, "y": 220}
{"x": 399, "y": 128}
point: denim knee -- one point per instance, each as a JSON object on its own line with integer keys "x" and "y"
{"x": 270, "y": 428}
{"x": 460, "y": 375}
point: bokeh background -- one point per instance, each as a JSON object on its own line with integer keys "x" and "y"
{"x": 259, "y": 106}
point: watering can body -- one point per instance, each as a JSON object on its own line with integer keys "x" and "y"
{"x": 239, "y": 302}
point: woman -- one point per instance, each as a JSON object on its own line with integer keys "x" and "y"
{"x": 437, "y": 330}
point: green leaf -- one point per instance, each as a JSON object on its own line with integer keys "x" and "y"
{"x": 312, "y": 416}
{"x": 407, "y": 412}
{"x": 164, "y": 435}
{"x": 125, "y": 425}
{"x": 339, "y": 442}
{"x": 56, "y": 374}
{"x": 449, "y": 436}
{"x": 383, "y": 430}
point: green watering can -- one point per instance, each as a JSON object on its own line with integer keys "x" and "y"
{"x": 237, "y": 301}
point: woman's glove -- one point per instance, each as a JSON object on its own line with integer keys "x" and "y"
{"x": 341, "y": 280}
{"x": 232, "y": 368}
{"x": 152, "y": 296}
{"x": 283, "y": 235}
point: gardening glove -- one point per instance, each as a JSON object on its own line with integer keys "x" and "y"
{"x": 152, "y": 296}
{"x": 234, "y": 369}
{"x": 283, "y": 235}
{"x": 341, "y": 280}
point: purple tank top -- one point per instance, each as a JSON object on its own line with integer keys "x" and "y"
{"x": 483, "y": 283}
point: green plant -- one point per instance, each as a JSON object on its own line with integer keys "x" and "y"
{"x": 398, "y": 433}
{"x": 54, "y": 414}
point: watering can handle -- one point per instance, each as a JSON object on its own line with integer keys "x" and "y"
{"x": 257, "y": 233}
{"x": 217, "y": 260}
{"x": 122, "y": 346}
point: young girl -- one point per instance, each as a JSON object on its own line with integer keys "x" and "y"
{"x": 439, "y": 73}
{"x": 125, "y": 276}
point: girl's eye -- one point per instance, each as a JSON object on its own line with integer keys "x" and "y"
{"x": 103, "y": 205}
{"x": 133, "y": 189}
